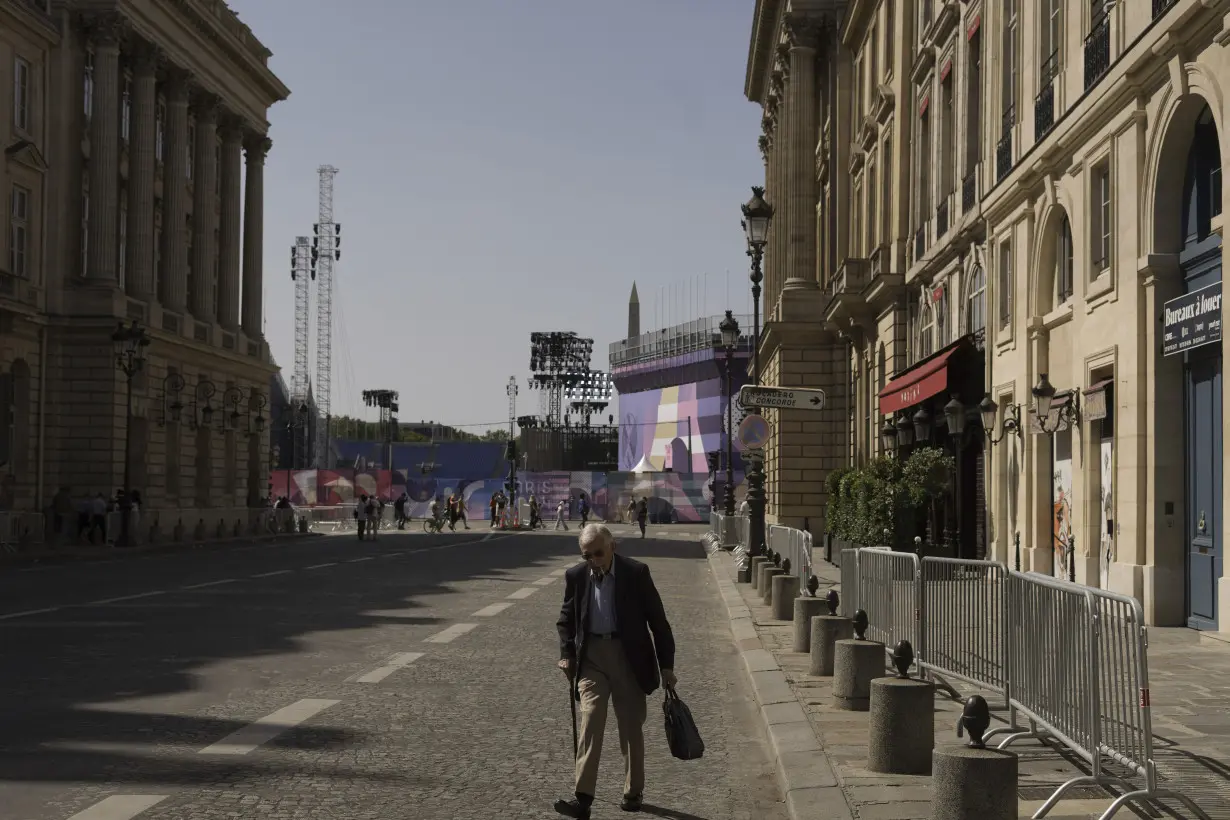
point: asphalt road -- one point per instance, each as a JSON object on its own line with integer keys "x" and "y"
{"x": 413, "y": 677}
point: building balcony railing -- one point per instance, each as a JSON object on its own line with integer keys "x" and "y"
{"x": 879, "y": 262}
{"x": 1003, "y": 149}
{"x": 677, "y": 340}
{"x": 941, "y": 217}
{"x": 1160, "y": 7}
{"x": 1097, "y": 51}
{"x": 969, "y": 190}
{"x": 853, "y": 275}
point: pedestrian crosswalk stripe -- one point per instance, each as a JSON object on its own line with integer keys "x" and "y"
{"x": 255, "y": 735}
{"x": 398, "y": 661}
{"x": 451, "y": 634}
{"x": 120, "y": 807}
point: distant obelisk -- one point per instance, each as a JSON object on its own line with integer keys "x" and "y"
{"x": 634, "y": 314}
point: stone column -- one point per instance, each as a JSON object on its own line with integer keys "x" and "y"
{"x": 228, "y": 232}
{"x": 799, "y": 140}
{"x": 257, "y": 147}
{"x": 173, "y": 291}
{"x": 778, "y": 192}
{"x": 103, "y": 260}
{"x": 204, "y": 207}
{"x": 141, "y": 170}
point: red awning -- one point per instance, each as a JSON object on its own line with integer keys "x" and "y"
{"x": 913, "y": 386}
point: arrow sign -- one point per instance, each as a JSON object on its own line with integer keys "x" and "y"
{"x": 781, "y": 398}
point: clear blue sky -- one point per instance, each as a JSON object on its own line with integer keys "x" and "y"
{"x": 506, "y": 166}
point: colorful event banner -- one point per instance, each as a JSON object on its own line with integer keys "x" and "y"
{"x": 672, "y": 497}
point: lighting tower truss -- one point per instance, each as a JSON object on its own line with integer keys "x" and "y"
{"x": 559, "y": 361}
{"x": 512, "y": 405}
{"x": 300, "y": 265}
{"x": 590, "y": 395}
{"x": 326, "y": 249}
{"x": 386, "y": 400}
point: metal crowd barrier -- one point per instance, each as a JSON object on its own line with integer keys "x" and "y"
{"x": 21, "y": 529}
{"x": 965, "y": 611}
{"x": 1071, "y": 660}
{"x": 795, "y": 545}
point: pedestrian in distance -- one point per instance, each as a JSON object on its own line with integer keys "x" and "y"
{"x": 559, "y": 516}
{"x": 642, "y": 514}
{"x": 583, "y": 504}
{"x": 616, "y": 647}
{"x": 360, "y": 515}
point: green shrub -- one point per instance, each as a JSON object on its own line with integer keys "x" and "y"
{"x": 867, "y": 501}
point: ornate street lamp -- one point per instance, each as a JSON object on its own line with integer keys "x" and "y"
{"x": 889, "y": 434}
{"x": 922, "y": 426}
{"x": 757, "y": 216}
{"x": 905, "y": 433}
{"x": 729, "y": 329}
{"x": 130, "y": 341}
{"x": 1010, "y": 425}
{"x": 1044, "y": 394}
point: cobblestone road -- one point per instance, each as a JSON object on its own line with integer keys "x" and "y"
{"x": 413, "y": 677}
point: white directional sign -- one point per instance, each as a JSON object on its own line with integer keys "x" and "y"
{"x": 781, "y": 398}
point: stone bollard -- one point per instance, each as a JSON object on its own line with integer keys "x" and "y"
{"x": 785, "y": 591}
{"x": 973, "y": 782}
{"x": 758, "y": 561}
{"x": 805, "y": 609}
{"x": 825, "y": 631}
{"x": 902, "y": 726}
{"x": 856, "y": 662}
{"x": 767, "y": 574}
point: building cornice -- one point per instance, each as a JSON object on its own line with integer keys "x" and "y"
{"x": 763, "y": 48}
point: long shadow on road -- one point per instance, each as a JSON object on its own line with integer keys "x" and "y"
{"x": 65, "y": 677}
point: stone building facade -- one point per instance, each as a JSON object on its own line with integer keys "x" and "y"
{"x": 138, "y": 189}
{"x": 1006, "y": 190}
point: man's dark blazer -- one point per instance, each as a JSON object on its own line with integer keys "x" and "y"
{"x": 638, "y": 615}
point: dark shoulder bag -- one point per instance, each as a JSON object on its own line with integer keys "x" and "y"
{"x": 682, "y": 736}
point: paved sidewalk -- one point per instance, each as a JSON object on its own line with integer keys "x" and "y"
{"x": 821, "y": 752}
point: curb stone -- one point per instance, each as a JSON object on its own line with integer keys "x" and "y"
{"x": 804, "y": 771}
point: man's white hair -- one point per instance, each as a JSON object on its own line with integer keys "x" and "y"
{"x": 595, "y": 532}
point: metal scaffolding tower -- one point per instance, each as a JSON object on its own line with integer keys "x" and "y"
{"x": 300, "y": 265}
{"x": 326, "y": 249}
{"x": 511, "y": 390}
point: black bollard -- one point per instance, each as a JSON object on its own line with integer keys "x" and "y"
{"x": 975, "y": 719}
{"x": 903, "y": 659}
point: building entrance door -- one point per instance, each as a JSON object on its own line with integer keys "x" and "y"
{"x": 1204, "y": 482}
{"x": 1200, "y": 261}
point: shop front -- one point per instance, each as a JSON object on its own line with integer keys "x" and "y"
{"x": 935, "y": 403}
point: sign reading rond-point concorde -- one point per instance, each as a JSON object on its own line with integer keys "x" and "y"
{"x": 1192, "y": 320}
{"x": 753, "y": 432}
{"x": 781, "y": 398}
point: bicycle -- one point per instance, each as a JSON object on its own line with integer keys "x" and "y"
{"x": 433, "y": 525}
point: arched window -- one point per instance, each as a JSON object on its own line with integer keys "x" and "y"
{"x": 1063, "y": 262}
{"x": 926, "y": 326}
{"x": 976, "y": 300}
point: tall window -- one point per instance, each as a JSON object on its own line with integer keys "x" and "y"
{"x": 126, "y": 110}
{"x": 948, "y": 142}
{"x": 1063, "y": 262}
{"x": 88, "y": 84}
{"x": 1011, "y": 62}
{"x": 856, "y": 221}
{"x": 973, "y": 105}
{"x": 1004, "y": 284}
{"x": 925, "y": 160}
{"x": 1050, "y": 39}
{"x": 1100, "y": 235}
{"x": 886, "y": 194}
{"x": 160, "y": 124}
{"x": 941, "y": 317}
{"x": 926, "y": 326}
{"x": 21, "y": 95}
{"x": 873, "y": 44}
{"x": 889, "y": 35}
{"x": 872, "y": 213}
{"x": 19, "y": 232}
{"x": 976, "y": 300}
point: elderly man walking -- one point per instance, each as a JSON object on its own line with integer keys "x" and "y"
{"x": 614, "y": 639}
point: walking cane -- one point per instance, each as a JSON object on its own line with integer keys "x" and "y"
{"x": 572, "y": 706}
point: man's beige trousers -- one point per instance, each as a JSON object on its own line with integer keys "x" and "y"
{"x": 606, "y": 676}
